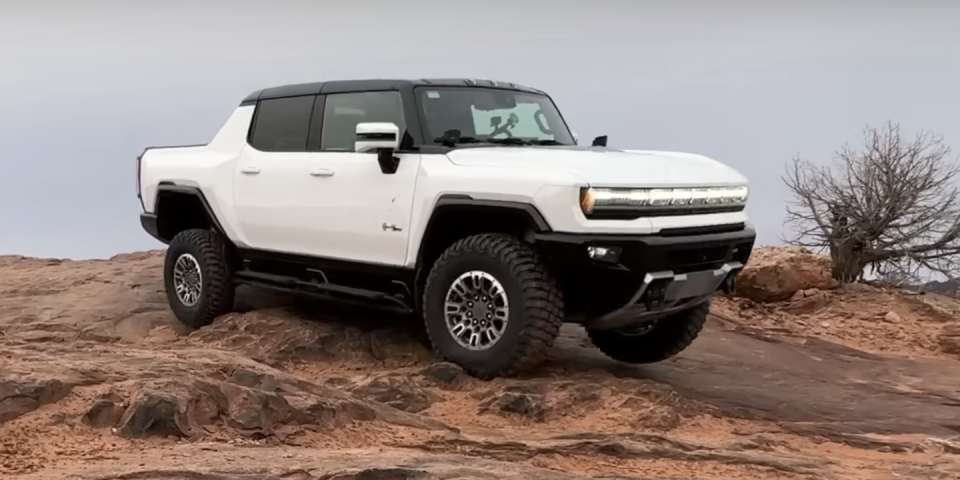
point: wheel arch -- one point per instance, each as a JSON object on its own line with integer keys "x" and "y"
{"x": 457, "y": 216}
{"x": 182, "y": 207}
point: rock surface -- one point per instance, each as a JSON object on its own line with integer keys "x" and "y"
{"x": 98, "y": 381}
{"x": 949, "y": 340}
{"x": 777, "y": 273}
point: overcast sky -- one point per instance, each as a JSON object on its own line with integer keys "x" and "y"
{"x": 751, "y": 83}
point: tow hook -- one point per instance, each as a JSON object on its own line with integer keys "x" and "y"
{"x": 729, "y": 284}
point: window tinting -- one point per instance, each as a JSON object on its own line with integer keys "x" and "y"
{"x": 343, "y": 111}
{"x": 281, "y": 124}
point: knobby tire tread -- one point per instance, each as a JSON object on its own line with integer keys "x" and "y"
{"x": 670, "y": 337}
{"x": 544, "y": 300}
{"x": 219, "y": 290}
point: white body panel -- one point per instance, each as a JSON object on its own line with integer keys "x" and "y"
{"x": 210, "y": 168}
{"x": 610, "y": 168}
{"x": 340, "y": 205}
{"x": 265, "y": 198}
{"x": 351, "y": 210}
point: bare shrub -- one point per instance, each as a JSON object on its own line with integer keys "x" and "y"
{"x": 890, "y": 204}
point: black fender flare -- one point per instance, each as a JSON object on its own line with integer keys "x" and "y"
{"x": 446, "y": 201}
{"x": 171, "y": 187}
{"x": 462, "y": 200}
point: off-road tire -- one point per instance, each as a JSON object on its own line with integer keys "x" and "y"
{"x": 216, "y": 286}
{"x": 670, "y": 336}
{"x": 535, "y": 305}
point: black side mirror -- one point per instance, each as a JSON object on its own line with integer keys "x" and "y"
{"x": 600, "y": 141}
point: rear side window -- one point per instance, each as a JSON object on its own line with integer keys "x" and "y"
{"x": 281, "y": 124}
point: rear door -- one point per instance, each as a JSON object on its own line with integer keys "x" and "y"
{"x": 271, "y": 167}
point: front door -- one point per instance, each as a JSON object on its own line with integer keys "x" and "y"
{"x": 353, "y": 210}
{"x": 356, "y": 212}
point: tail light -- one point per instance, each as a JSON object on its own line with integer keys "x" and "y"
{"x": 139, "y": 195}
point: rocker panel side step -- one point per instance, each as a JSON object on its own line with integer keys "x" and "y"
{"x": 323, "y": 290}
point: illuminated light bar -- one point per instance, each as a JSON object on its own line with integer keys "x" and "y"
{"x": 678, "y": 199}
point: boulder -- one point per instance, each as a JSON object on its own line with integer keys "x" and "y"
{"x": 24, "y": 393}
{"x": 775, "y": 274}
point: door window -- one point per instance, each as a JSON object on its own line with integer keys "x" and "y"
{"x": 281, "y": 124}
{"x": 343, "y": 111}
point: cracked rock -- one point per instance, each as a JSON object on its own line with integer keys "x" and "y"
{"x": 445, "y": 375}
{"x": 20, "y": 394}
{"x": 398, "y": 394}
{"x": 106, "y": 411}
{"x": 529, "y": 405}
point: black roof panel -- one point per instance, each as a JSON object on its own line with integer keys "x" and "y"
{"x": 345, "y": 86}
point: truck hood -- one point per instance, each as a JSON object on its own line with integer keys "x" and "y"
{"x": 606, "y": 167}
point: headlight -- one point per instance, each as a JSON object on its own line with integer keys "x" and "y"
{"x": 637, "y": 202}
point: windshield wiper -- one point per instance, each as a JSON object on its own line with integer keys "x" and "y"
{"x": 451, "y": 140}
{"x": 509, "y": 141}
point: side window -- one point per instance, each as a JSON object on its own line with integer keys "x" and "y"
{"x": 281, "y": 124}
{"x": 343, "y": 111}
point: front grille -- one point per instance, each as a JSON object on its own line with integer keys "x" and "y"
{"x": 686, "y": 231}
{"x": 695, "y": 259}
{"x": 684, "y": 259}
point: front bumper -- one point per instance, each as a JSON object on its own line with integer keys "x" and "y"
{"x": 677, "y": 292}
{"x": 650, "y": 276}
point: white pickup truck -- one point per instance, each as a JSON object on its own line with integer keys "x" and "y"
{"x": 466, "y": 202}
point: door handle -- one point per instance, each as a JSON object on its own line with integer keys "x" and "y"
{"x": 250, "y": 170}
{"x": 321, "y": 172}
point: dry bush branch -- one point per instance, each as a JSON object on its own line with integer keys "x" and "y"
{"x": 890, "y": 205}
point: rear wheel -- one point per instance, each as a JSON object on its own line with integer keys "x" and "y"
{"x": 655, "y": 342}
{"x": 491, "y": 307}
{"x": 197, "y": 277}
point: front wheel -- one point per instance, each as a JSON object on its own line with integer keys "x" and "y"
{"x": 661, "y": 340}
{"x": 491, "y": 307}
{"x": 197, "y": 277}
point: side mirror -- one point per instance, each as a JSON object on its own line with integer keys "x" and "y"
{"x": 376, "y": 137}
{"x": 576, "y": 138}
{"x": 600, "y": 141}
{"x": 382, "y": 138}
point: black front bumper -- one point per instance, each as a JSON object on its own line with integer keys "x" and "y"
{"x": 652, "y": 276}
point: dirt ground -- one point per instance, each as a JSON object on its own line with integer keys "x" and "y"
{"x": 794, "y": 378}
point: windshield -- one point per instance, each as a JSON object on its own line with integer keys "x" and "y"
{"x": 471, "y": 115}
